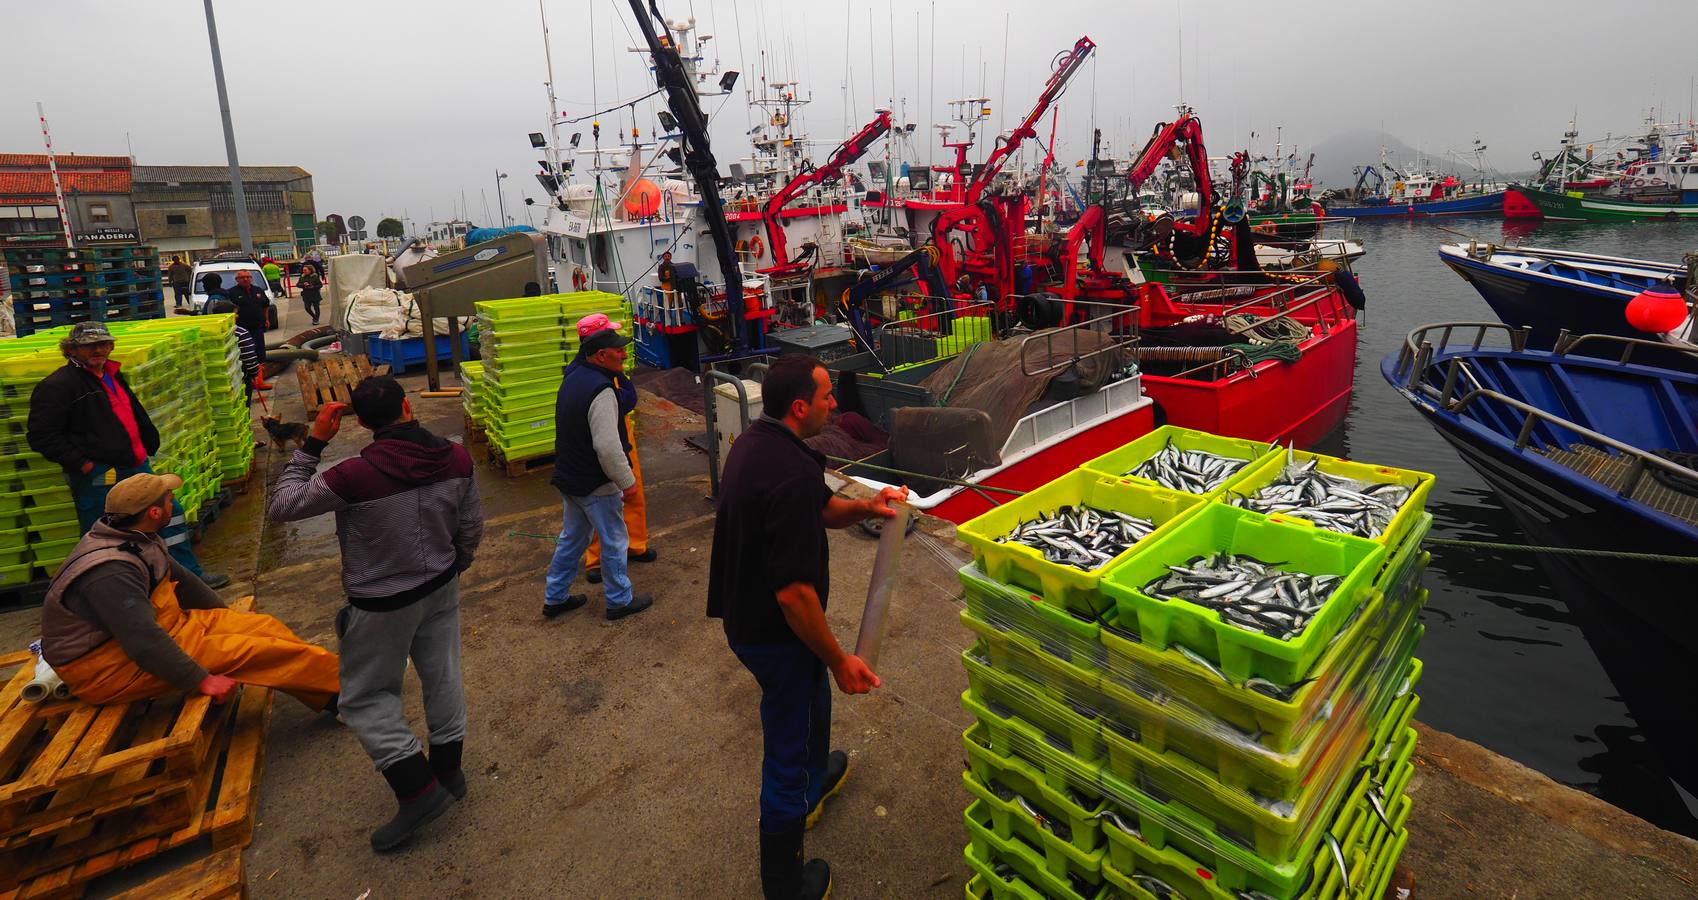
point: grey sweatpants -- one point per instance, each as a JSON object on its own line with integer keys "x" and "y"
{"x": 375, "y": 647}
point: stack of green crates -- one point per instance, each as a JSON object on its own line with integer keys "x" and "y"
{"x": 38, "y": 520}
{"x": 526, "y": 343}
{"x": 1132, "y": 747}
{"x": 229, "y": 454}
{"x": 471, "y": 383}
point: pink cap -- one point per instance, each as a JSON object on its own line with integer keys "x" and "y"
{"x": 595, "y": 322}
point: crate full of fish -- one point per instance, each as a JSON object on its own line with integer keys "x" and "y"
{"x": 1255, "y": 595}
{"x": 1135, "y": 719}
{"x": 1240, "y": 856}
{"x": 1374, "y": 502}
{"x": 1061, "y": 538}
{"x": 1181, "y": 459}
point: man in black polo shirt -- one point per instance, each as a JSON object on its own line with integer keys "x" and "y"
{"x": 769, "y": 582}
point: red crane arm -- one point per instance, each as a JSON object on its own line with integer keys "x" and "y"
{"x": 841, "y": 158}
{"x": 1184, "y": 130}
{"x": 1065, "y": 69}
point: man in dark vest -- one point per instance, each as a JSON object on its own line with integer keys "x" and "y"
{"x": 592, "y": 471}
{"x": 123, "y": 621}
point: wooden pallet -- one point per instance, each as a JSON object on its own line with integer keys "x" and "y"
{"x": 223, "y": 800}
{"x": 474, "y": 433}
{"x": 215, "y": 877}
{"x": 78, "y": 779}
{"x": 333, "y": 378}
{"x": 519, "y": 468}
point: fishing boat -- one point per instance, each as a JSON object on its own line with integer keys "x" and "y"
{"x": 1655, "y": 177}
{"x": 1417, "y": 191}
{"x": 1552, "y": 291}
{"x": 1296, "y": 397}
{"x": 1594, "y": 455}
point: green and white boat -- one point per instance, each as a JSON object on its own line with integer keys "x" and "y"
{"x": 1577, "y": 206}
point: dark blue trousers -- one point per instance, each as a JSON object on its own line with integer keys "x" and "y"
{"x": 795, "y": 727}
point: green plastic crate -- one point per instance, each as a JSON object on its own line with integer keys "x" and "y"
{"x": 987, "y": 769}
{"x": 1076, "y": 881}
{"x": 1280, "y": 723}
{"x": 1122, "y": 460}
{"x": 1011, "y": 886}
{"x": 1009, "y": 820}
{"x": 15, "y": 574}
{"x": 1240, "y": 653}
{"x": 51, "y": 553}
{"x": 500, "y": 311}
{"x": 51, "y": 514}
{"x": 1420, "y": 485}
{"x": 16, "y": 556}
{"x": 61, "y": 531}
{"x": 1062, "y": 585}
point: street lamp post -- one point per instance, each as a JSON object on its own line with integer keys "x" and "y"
{"x": 500, "y": 201}
{"x": 237, "y": 196}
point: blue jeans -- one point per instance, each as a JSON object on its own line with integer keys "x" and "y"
{"x": 90, "y": 492}
{"x": 604, "y": 516}
{"x": 795, "y": 729}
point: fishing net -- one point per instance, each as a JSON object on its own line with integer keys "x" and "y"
{"x": 987, "y": 380}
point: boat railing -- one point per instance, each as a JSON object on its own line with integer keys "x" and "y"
{"x": 935, "y": 334}
{"x": 1418, "y": 348}
{"x": 1113, "y": 325}
{"x": 1567, "y": 343}
{"x": 1640, "y": 461}
{"x": 1313, "y": 292}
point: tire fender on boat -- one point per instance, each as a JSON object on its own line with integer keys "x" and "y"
{"x": 1351, "y": 289}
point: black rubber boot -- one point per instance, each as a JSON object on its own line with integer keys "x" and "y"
{"x": 783, "y": 874}
{"x": 421, "y": 798}
{"x": 445, "y": 762}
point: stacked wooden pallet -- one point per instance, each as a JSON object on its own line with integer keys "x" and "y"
{"x": 88, "y": 790}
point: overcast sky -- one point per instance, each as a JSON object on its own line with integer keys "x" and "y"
{"x": 403, "y": 106}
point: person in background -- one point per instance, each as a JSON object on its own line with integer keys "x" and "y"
{"x": 122, "y": 621}
{"x": 250, "y": 301}
{"x": 273, "y": 276}
{"x": 408, "y": 521}
{"x": 212, "y": 285}
{"x": 248, "y": 345}
{"x": 768, "y": 582}
{"x": 180, "y": 274}
{"x": 636, "y": 513}
{"x": 592, "y": 471}
{"x": 310, "y": 284}
{"x": 85, "y": 418}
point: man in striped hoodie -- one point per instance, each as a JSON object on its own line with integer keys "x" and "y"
{"x": 408, "y": 519}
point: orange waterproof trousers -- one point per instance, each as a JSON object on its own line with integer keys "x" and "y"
{"x": 636, "y": 512}
{"x": 249, "y": 648}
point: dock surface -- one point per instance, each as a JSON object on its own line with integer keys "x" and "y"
{"x": 622, "y": 759}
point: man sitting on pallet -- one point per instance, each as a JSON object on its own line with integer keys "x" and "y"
{"x": 123, "y": 621}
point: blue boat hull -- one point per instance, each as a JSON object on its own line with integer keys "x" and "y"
{"x": 1638, "y": 615}
{"x": 1481, "y": 205}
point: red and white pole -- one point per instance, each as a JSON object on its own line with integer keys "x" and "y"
{"x": 53, "y": 167}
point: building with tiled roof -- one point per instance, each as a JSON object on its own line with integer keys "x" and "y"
{"x": 97, "y": 200}
{"x": 189, "y": 209}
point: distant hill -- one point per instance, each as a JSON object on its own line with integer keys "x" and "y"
{"x": 1337, "y": 157}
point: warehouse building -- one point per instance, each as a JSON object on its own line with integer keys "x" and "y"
{"x": 97, "y": 200}
{"x": 189, "y": 209}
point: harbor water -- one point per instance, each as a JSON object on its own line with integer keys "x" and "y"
{"x": 1507, "y": 665}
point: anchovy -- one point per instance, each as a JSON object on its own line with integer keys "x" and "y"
{"x": 1338, "y": 856}
{"x": 1119, "y": 823}
{"x": 1155, "y": 886}
{"x": 1379, "y": 808}
{"x": 1248, "y": 593}
{"x": 1334, "y": 502}
{"x": 1193, "y": 471}
{"x": 1203, "y": 661}
{"x": 1080, "y": 536}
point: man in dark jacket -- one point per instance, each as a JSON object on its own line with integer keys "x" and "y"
{"x": 408, "y": 519}
{"x": 180, "y": 273}
{"x": 251, "y": 302}
{"x": 85, "y": 418}
{"x": 592, "y": 471}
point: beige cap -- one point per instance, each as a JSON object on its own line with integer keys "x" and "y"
{"x": 140, "y": 492}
